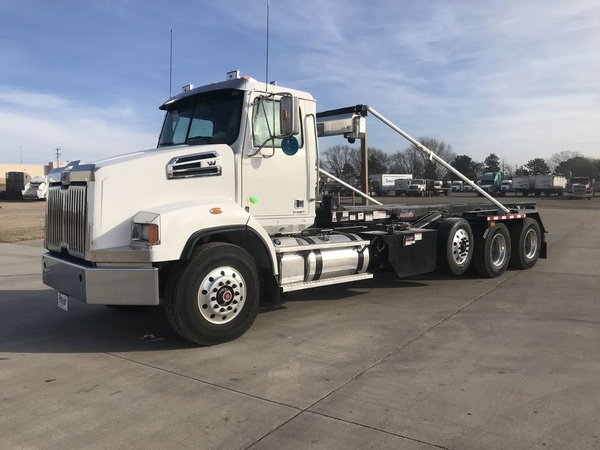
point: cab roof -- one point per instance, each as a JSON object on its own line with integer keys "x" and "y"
{"x": 240, "y": 83}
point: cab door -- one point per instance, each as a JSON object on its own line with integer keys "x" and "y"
{"x": 277, "y": 189}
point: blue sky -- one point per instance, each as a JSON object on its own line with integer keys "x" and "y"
{"x": 520, "y": 79}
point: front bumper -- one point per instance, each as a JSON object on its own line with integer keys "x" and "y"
{"x": 101, "y": 285}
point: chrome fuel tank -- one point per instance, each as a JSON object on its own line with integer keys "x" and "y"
{"x": 304, "y": 259}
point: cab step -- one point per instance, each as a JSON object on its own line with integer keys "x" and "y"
{"x": 326, "y": 282}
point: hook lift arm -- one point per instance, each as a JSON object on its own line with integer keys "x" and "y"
{"x": 349, "y": 122}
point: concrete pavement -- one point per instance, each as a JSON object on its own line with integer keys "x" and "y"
{"x": 429, "y": 362}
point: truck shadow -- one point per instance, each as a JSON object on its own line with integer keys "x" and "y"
{"x": 31, "y": 322}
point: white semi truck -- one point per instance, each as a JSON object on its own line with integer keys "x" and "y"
{"x": 226, "y": 214}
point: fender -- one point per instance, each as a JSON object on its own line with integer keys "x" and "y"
{"x": 177, "y": 222}
{"x": 183, "y": 224}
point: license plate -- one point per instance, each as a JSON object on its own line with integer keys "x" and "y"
{"x": 63, "y": 301}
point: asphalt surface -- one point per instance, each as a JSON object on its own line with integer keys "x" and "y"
{"x": 429, "y": 362}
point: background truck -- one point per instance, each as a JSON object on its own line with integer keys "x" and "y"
{"x": 401, "y": 186}
{"x": 506, "y": 186}
{"x": 581, "y": 187}
{"x": 440, "y": 188}
{"x": 457, "y": 186}
{"x": 226, "y": 215}
{"x": 384, "y": 184}
{"x": 421, "y": 188}
{"x": 491, "y": 182}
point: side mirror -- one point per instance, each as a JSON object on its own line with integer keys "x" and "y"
{"x": 290, "y": 116}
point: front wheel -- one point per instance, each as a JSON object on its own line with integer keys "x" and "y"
{"x": 526, "y": 241}
{"x": 214, "y": 296}
{"x": 492, "y": 252}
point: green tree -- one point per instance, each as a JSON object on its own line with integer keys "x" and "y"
{"x": 537, "y": 166}
{"x": 521, "y": 171}
{"x": 465, "y": 165}
{"x": 492, "y": 163}
{"x": 561, "y": 157}
{"x": 578, "y": 166}
{"x": 378, "y": 161}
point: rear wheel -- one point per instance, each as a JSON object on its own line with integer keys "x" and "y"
{"x": 214, "y": 296}
{"x": 455, "y": 244}
{"x": 526, "y": 241}
{"x": 492, "y": 253}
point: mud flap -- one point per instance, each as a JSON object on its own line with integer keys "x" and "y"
{"x": 412, "y": 252}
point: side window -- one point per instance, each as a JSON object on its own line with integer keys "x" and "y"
{"x": 266, "y": 125}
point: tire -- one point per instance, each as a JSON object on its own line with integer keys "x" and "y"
{"x": 526, "y": 241}
{"x": 455, "y": 245}
{"x": 492, "y": 253}
{"x": 214, "y": 296}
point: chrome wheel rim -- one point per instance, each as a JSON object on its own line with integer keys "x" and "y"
{"x": 498, "y": 250}
{"x": 460, "y": 247}
{"x": 531, "y": 244}
{"x": 221, "y": 295}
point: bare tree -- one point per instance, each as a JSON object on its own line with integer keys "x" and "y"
{"x": 399, "y": 163}
{"x": 420, "y": 166}
{"x": 335, "y": 158}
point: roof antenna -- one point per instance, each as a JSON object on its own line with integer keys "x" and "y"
{"x": 171, "y": 66}
{"x": 267, "y": 60}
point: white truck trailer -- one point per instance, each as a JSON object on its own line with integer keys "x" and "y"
{"x": 226, "y": 214}
{"x": 549, "y": 185}
{"x": 539, "y": 184}
{"x": 384, "y": 184}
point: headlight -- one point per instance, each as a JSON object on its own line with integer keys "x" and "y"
{"x": 145, "y": 228}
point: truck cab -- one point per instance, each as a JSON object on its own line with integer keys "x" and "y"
{"x": 457, "y": 186}
{"x": 420, "y": 187}
{"x": 581, "y": 187}
{"x": 491, "y": 182}
{"x": 506, "y": 186}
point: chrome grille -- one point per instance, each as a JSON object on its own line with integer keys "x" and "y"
{"x": 66, "y": 220}
{"x": 579, "y": 189}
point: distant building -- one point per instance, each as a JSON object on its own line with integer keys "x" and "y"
{"x": 32, "y": 170}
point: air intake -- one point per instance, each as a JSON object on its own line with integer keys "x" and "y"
{"x": 205, "y": 164}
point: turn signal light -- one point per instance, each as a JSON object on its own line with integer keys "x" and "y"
{"x": 152, "y": 233}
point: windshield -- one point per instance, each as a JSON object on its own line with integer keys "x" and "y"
{"x": 207, "y": 118}
{"x": 417, "y": 182}
{"x": 579, "y": 180}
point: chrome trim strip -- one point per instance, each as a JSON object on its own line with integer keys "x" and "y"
{"x": 205, "y": 164}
